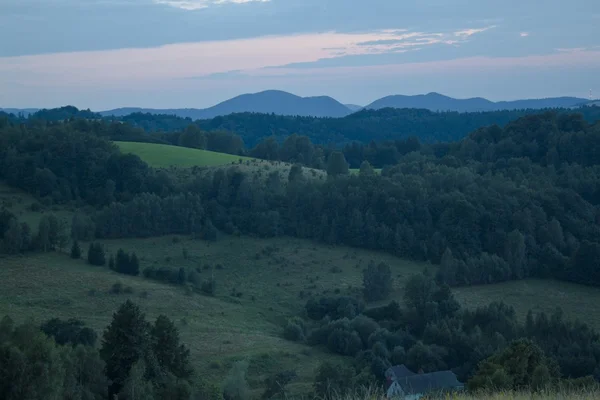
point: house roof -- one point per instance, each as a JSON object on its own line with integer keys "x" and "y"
{"x": 423, "y": 383}
{"x": 400, "y": 371}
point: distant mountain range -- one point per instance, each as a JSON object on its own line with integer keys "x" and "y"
{"x": 270, "y": 101}
{"x": 17, "y": 111}
{"x": 283, "y": 103}
{"x": 439, "y": 102}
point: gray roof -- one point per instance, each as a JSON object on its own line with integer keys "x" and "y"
{"x": 435, "y": 381}
{"x": 400, "y": 371}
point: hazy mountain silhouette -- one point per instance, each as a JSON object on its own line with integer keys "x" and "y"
{"x": 283, "y": 103}
{"x": 439, "y": 102}
{"x": 17, "y": 111}
{"x": 270, "y": 101}
{"x": 354, "y": 107}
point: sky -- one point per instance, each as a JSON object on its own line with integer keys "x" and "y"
{"x": 103, "y": 54}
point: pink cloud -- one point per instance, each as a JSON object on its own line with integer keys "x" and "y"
{"x": 206, "y": 58}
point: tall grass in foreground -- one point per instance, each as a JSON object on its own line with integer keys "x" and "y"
{"x": 583, "y": 394}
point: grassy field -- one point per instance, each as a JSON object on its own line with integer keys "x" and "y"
{"x": 218, "y": 330}
{"x": 586, "y": 394}
{"x": 163, "y": 156}
{"x": 260, "y": 283}
{"x": 577, "y": 301}
{"x": 21, "y": 204}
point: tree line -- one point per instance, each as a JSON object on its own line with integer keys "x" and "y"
{"x": 136, "y": 359}
{"x": 504, "y": 203}
{"x": 488, "y": 348}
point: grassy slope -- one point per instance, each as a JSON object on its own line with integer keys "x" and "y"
{"x": 163, "y": 156}
{"x": 225, "y": 328}
{"x": 19, "y": 203}
{"x": 592, "y": 393}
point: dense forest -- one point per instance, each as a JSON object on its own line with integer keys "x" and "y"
{"x": 380, "y": 137}
{"x": 504, "y": 203}
{"x": 431, "y": 332}
{"x": 501, "y": 204}
{"x": 135, "y": 359}
{"x": 363, "y": 126}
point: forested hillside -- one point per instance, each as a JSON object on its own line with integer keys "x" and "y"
{"x": 368, "y": 125}
{"x": 504, "y": 203}
{"x": 501, "y": 204}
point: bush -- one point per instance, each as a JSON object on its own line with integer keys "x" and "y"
{"x": 75, "y": 251}
{"x": 127, "y": 264}
{"x": 209, "y": 287}
{"x": 235, "y": 386}
{"x": 377, "y": 282}
{"x": 96, "y": 254}
{"x": 117, "y": 288}
{"x": 294, "y": 330}
{"x": 72, "y": 331}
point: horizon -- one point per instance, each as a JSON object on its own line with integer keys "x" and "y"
{"x": 196, "y": 53}
{"x": 83, "y": 107}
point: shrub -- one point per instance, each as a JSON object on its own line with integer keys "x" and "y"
{"x": 72, "y": 331}
{"x": 75, "y": 251}
{"x": 209, "y": 287}
{"x": 117, "y": 288}
{"x": 96, "y": 254}
{"x": 377, "y": 281}
{"x": 294, "y": 330}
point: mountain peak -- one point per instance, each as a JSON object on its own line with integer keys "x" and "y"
{"x": 438, "y": 102}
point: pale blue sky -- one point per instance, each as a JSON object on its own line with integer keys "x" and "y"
{"x": 194, "y": 53}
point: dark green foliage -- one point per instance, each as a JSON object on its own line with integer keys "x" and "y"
{"x": 428, "y": 358}
{"x": 171, "y": 355}
{"x": 171, "y": 276}
{"x": 96, "y": 255}
{"x": 522, "y": 365}
{"x": 33, "y": 367}
{"x": 82, "y": 227}
{"x": 235, "y": 386}
{"x": 275, "y": 384}
{"x": 75, "y": 250}
{"x": 370, "y": 125}
{"x": 141, "y": 361}
{"x": 72, "y": 331}
{"x": 336, "y": 164}
{"x": 433, "y": 333}
{"x": 52, "y": 233}
{"x": 127, "y": 264}
{"x": 333, "y": 380}
{"x": 442, "y": 200}
{"x": 209, "y": 232}
{"x": 125, "y": 341}
{"x": 116, "y": 288}
{"x": 333, "y": 307}
{"x": 377, "y": 282}
{"x": 295, "y": 330}
{"x": 209, "y": 287}
{"x": 68, "y": 160}
{"x": 344, "y": 341}
{"x": 366, "y": 169}
{"x": 16, "y": 236}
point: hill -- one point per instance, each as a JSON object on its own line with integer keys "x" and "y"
{"x": 438, "y": 102}
{"x": 240, "y": 264}
{"x": 267, "y": 102}
{"x": 16, "y": 111}
{"x": 164, "y": 156}
{"x": 354, "y": 107}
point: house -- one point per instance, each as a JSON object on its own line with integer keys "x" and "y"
{"x": 407, "y": 385}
